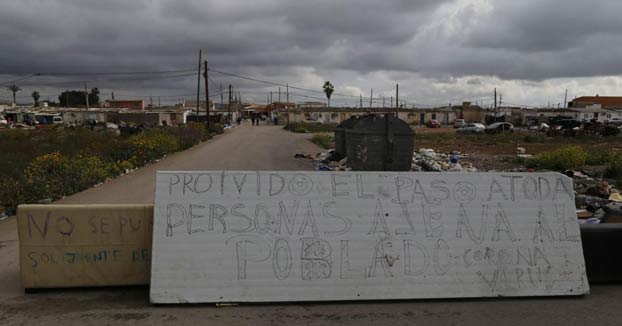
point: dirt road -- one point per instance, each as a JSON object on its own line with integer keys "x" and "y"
{"x": 263, "y": 148}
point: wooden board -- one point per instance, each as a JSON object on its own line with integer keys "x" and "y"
{"x": 309, "y": 236}
{"x": 84, "y": 245}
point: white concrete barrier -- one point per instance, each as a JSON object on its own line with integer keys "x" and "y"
{"x": 306, "y": 236}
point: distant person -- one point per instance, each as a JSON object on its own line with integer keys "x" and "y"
{"x": 239, "y": 120}
{"x": 253, "y": 120}
{"x": 276, "y": 121}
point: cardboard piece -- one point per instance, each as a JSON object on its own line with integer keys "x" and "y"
{"x": 310, "y": 236}
{"x": 84, "y": 245}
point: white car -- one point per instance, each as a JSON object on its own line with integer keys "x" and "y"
{"x": 471, "y": 128}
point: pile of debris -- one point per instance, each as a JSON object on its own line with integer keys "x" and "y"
{"x": 430, "y": 161}
{"x": 327, "y": 161}
{"x": 596, "y": 200}
{"x": 423, "y": 160}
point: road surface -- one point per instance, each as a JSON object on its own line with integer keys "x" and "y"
{"x": 264, "y": 148}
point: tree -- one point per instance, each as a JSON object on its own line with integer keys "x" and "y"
{"x": 328, "y": 89}
{"x": 94, "y": 97}
{"x": 36, "y": 96}
{"x": 72, "y": 98}
{"x": 14, "y": 89}
{"x": 78, "y": 98}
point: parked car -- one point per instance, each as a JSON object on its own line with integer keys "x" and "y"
{"x": 542, "y": 127}
{"x": 459, "y": 123}
{"x": 471, "y": 128}
{"x": 433, "y": 124}
{"x": 568, "y": 123}
{"x": 499, "y": 127}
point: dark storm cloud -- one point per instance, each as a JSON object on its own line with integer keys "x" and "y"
{"x": 534, "y": 39}
{"x": 434, "y": 41}
{"x": 87, "y": 35}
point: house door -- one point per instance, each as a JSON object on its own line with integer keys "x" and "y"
{"x": 421, "y": 118}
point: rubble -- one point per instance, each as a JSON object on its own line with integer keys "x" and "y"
{"x": 428, "y": 160}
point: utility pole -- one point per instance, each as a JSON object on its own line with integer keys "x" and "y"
{"x": 86, "y": 94}
{"x": 371, "y": 97}
{"x": 222, "y": 102}
{"x": 361, "y": 101}
{"x": 566, "y": 100}
{"x": 270, "y": 97}
{"x": 287, "y": 92}
{"x": 159, "y": 101}
{"x": 199, "y": 85}
{"x": 279, "y": 95}
{"x": 383, "y": 101}
{"x": 397, "y": 96}
{"x": 495, "y": 99}
{"x": 113, "y": 95}
{"x": 205, "y": 76}
{"x": 229, "y": 118}
{"x": 500, "y": 99}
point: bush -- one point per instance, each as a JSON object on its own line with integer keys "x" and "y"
{"x": 614, "y": 165}
{"x": 51, "y": 163}
{"x": 151, "y": 145}
{"x": 216, "y": 128}
{"x": 598, "y": 158}
{"x": 322, "y": 140}
{"x": 54, "y": 175}
{"x": 190, "y": 134}
{"x": 11, "y": 193}
{"x": 569, "y": 157}
{"x": 300, "y": 130}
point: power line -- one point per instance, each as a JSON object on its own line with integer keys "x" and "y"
{"x": 69, "y": 82}
{"x": 276, "y": 84}
{"x": 115, "y": 73}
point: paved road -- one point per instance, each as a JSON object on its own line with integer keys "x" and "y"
{"x": 242, "y": 148}
{"x": 264, "y": 148}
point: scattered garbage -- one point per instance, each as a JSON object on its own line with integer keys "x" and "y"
{"x": 427, "y": 159}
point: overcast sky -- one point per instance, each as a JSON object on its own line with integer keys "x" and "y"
{"x": 439, "y": 51}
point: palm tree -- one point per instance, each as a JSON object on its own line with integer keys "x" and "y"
{"x": 14, "y": 89}
{"x": 328, "y": 89}
{"x": 36, "y": 96}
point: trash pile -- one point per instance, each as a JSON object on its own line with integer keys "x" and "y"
{"x": 423, "y": 160}
{"x": 430, "y": 161}
{"x": 596, "y": 201}
{"x": 521, "y": 152}
{"x": 327, "y": 161}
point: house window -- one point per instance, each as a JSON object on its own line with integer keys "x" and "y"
{"x": 173, "y": 116}
{"x": 433, "y": 116}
